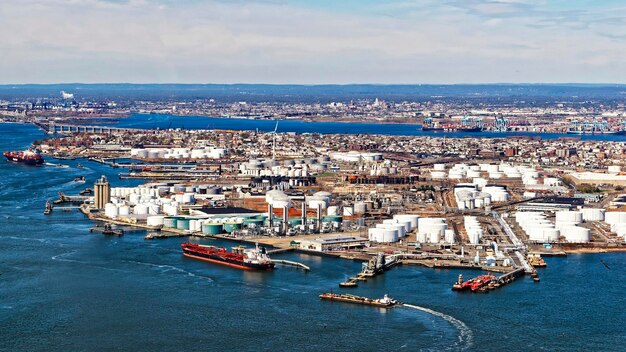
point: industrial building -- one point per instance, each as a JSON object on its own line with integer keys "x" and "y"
{"x": 333, "y": 243}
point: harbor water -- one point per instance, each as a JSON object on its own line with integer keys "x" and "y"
{"x": 164, "y": 121}
{"x": 65, "y": 289}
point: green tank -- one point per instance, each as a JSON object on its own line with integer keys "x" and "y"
{"x": 212, "y": 229}
{"x": 255, "y": 221}
{"x": 295, "y": 221}
{"x": 232, "y": 226}
{"x": 170, "y": 222}
{"x": 332, "y": 218}
{"x": 182, "y": 224}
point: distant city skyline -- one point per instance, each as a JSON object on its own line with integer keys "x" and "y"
{"x": 313, "y": 42}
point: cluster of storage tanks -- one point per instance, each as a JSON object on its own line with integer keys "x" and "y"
{"x": 354, "y": 156}
{"x": 434, "y": 230}
{"x": 541, "y": 229}
{"x": 383, "y": 169}
{"x": 473, "y": 229}
{"x": 427, "y": 230}
{"x": 159, "y": 198}
{"x": 288, "y": 168}
{"x": 468, "y": 196}
{"x": 392, "y": 230}
{"x": 210, "y": 226}
{"x": 178, "y": 153}
{"x": 617, "y": 220}
{"x": 494, "y": 171}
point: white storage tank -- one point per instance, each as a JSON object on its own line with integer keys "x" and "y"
{"x": 155, "y": 220}
{"x": 124, "y": 210}
{"x": 593, "y": 214}
{"x": 569, "y": 216}
{"x": 390, "y": 235}
{"x": 110, "y": 210}
{"x": 576, "y": 234}
{"x": 615, "y": 217}
{"x": 360, "y": 208}
{"x": 348, "y": 211}
{"x": 449, "y": 236}
{"x": 437, "y": 175}
{"x": 140, "y": 209}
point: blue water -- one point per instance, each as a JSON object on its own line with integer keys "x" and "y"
{"x": 164, "y": 121}
{"x": 64, "y": 289}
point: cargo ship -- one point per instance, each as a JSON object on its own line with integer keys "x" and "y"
{"x": 473, "y": 284}
{"x": 469, "y": 129}
{"x": 28, "y": 157}
{"x": 384, "y": 302}
{"x": 240, "y": 257}
{"x": 581, "y": 132}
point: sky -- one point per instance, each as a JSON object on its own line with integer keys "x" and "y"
{"x": 313, "y": 41}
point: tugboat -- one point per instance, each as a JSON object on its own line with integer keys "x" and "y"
{"x": 536, "y": 261}
{"x": 80, "y": 179}
{"x": 107, "y": 230}
{"x": 28, "y": 157}
{"x": 385, "y": 302}
{"x": 48, "y": 209}
{"x": 240, "y": 257}
{"x": 474, "y": 284}
{"x": 85, "y": 192}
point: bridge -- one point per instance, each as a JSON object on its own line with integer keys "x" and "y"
{"x": 53, "y": 128}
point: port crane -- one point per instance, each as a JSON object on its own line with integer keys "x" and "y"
{"x": 470, "y": 121}
{"x": 501, "y": 124}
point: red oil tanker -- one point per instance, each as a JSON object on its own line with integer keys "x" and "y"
{"x": 240, "y": 257}
{"x": 29, "y": 157}
{"x": 473, "y": 284}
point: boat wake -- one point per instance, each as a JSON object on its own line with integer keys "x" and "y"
{"x": 167, "y": 268}
{"x": 62, "y": 258}
{"x": 29, "y": 239}
{"x": 466, "y": 336}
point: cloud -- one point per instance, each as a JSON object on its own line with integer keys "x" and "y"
{"x": 423, "y": 41}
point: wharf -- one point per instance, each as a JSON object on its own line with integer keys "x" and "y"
{"x": 440, "y": 264}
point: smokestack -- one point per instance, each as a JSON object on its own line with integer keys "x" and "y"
{"x": 319, "y": 216}
{"x": 270, "y": 214}
{"x": 304, "y": 212}
{"x": 285, "y": 218}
